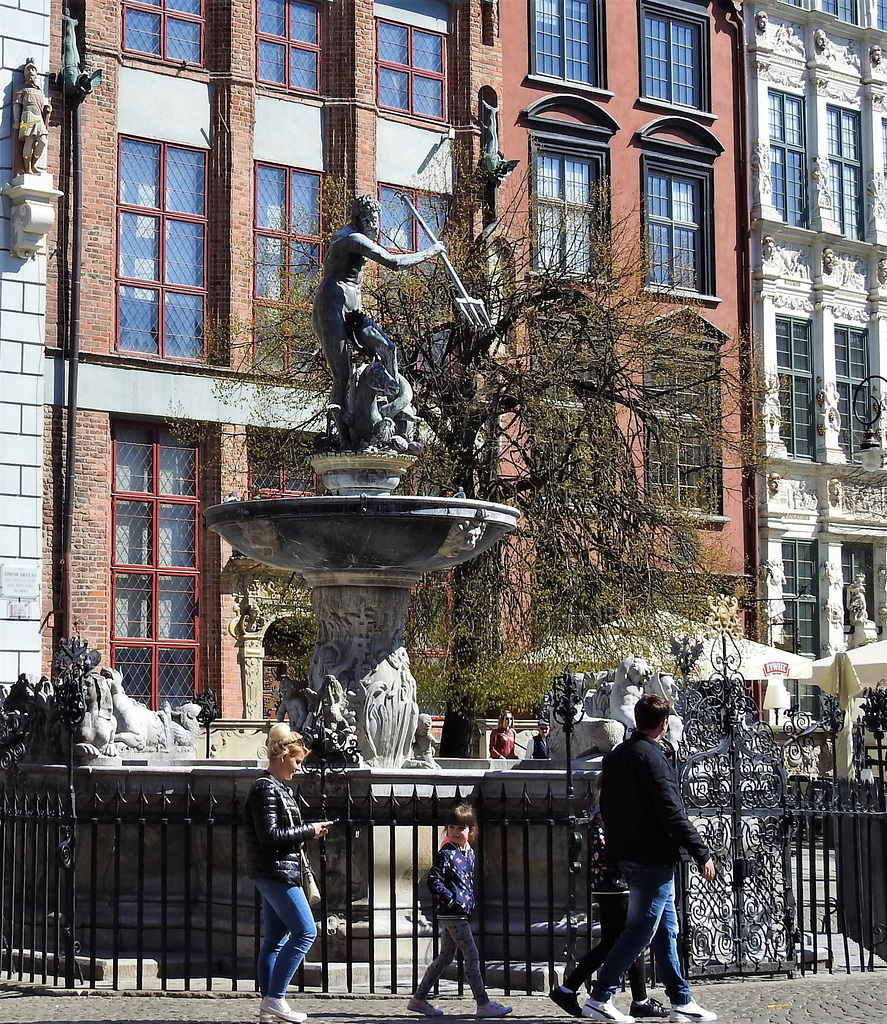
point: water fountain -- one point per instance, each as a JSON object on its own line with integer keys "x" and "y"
{"x": 360, "y": 548}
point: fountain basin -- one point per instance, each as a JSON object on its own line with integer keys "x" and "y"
{"x": 370, "y": 540}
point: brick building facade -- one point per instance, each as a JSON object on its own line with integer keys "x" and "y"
{"x": 214, "y": 131}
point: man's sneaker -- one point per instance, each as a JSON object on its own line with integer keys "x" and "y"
{"x": 422, "y": 1006}
{"x": 596, "y": 1010}
{"x": 691, "y": 1011}
{"x": 492, "y": 1009}
{"x": 566, "y": 1000}
{"x": 648, "y": 1008}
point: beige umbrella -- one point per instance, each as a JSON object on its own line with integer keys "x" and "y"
{"x": 846, "y": 675}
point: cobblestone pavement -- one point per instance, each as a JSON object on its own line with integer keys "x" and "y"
{"x": 814, "y": 999}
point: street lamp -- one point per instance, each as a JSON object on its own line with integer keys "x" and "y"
{"x": 870, "y": 451}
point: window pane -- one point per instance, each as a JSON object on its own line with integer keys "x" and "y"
{"x": 427, "y": 51}
{"x": 185, "y": 7}
{"x": 683, "y": 55}
{"x": 272, "y": 62}
{"x": 140, "y": 173}
{"x": 655, "y": 57}
{"x": 135, "y": 665}
{"x": 175, "y": 543}
{"x": 272, "y": 17}
{"x": 303, "y": 23}
{"x": 428, "y": 96}
{"x": 394, "y": 89}
{"x": 271, "y": 198}
{"x": 396, "y": 220}
{"x": 132, "y": 605}
{"x": 303, "y": 69}
{"x": 184, "y": 326}
{"x": 184, "y": 253}
{"x": 142, "y": 31}
{"x": 139, "y": 320}
{"x": 548, "y": 37}
{"x": 177, "y": 470}
{"x": 175, "y": 608}
{"x": 305, "y": 207}
{"x": 578, "y": 39}
{"x": 270, "y": 267}
{"x": 185, "y": 181}
{"x": 176, "y": 673}
{"x": 183, "y": 40}
{"x": 132, "y": 533}
{"x": 394, "y": 43}
{"x": 134, "y": 461}
{"x": 139, "y": 246}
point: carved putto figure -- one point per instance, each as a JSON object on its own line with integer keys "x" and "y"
{"x": 30, "y": 114}
{"x": 423, "y": 745}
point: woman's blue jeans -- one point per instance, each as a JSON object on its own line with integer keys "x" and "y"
{"x": 289, "y": 933}
{"x": 652, "y": 920}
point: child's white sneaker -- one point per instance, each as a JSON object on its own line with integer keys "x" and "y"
{"x": 691, "y": 1011}
{"x": 492, "y": 1009}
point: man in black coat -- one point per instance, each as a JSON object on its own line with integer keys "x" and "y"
{"x": 646, "y": 827}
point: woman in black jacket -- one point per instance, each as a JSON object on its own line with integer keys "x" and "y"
{"x": 274, "y": 836}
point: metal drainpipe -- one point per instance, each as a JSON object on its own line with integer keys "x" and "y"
{"x": 76, "y": 207}
{"x": 743, "y": 224}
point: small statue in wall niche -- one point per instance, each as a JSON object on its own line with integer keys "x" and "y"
{"x": 761, "y": 21}
{"x": 828, "y": 261}
{"x": 876, "y": 55}
{"x": 30, "y": 115}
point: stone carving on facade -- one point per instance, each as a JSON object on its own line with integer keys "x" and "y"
{"x": 827, "y": 399}
{"x": 833, "y": 606}
{"x": 768, "y": 248}
{"x": 801, "y": 496}
{"x": 30, "y": 119}
{"x": 771, "y": 415}
{"x": 881, "y": 598}
{"x": 787, "y": 261}
{"x": 761, "y": 21}
{"x": 760, "y": 162}
{"x": 865, "y": 501}
{"x": 819, "y": 174}
{"x": 864, "y": 630}
{"x": 849, "y": 272}
{"x": 464, "y": 535}
{"x": 773, "y": 483}
{"x": 876, "y": 55}
{"x": 821, "y": 43}
{"x": 843, "y": 56}
{"x": 875, "y": 207}
{"x": 785, "y": 37}
{"x": 248, "y": 628}
{"x": 775, "y": 578}
{"x": 298, "y": 704}
{"x": 797, "y": 303}
{"x": 882, "y": 270}
{"x": 835, "y": 492}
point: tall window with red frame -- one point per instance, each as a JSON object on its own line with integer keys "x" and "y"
{"x": 288, "y": 41}
{"x": 161, "y": 249}
{"x": 169, "y": 29}
{"x": 154, "y": 570}
{"x": 287, "y": 258}
{"x": 411, "y": 69}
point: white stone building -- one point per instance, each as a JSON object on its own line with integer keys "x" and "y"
{"x": 24, "y": 35}
{"x": 818, "y": 133}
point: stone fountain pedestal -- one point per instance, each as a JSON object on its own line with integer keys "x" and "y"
{"x": 361, "y": 550}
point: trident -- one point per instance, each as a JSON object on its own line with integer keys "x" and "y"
{"x": 474, "y": 310}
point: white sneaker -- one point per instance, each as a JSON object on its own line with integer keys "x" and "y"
{"x": 691, "y": 1011}
{"x": 597, "y": 1010}
{"x": 492, "y": 1009}
{"x": 418, "y": 1005}
{"x": 271, "y": 1011}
